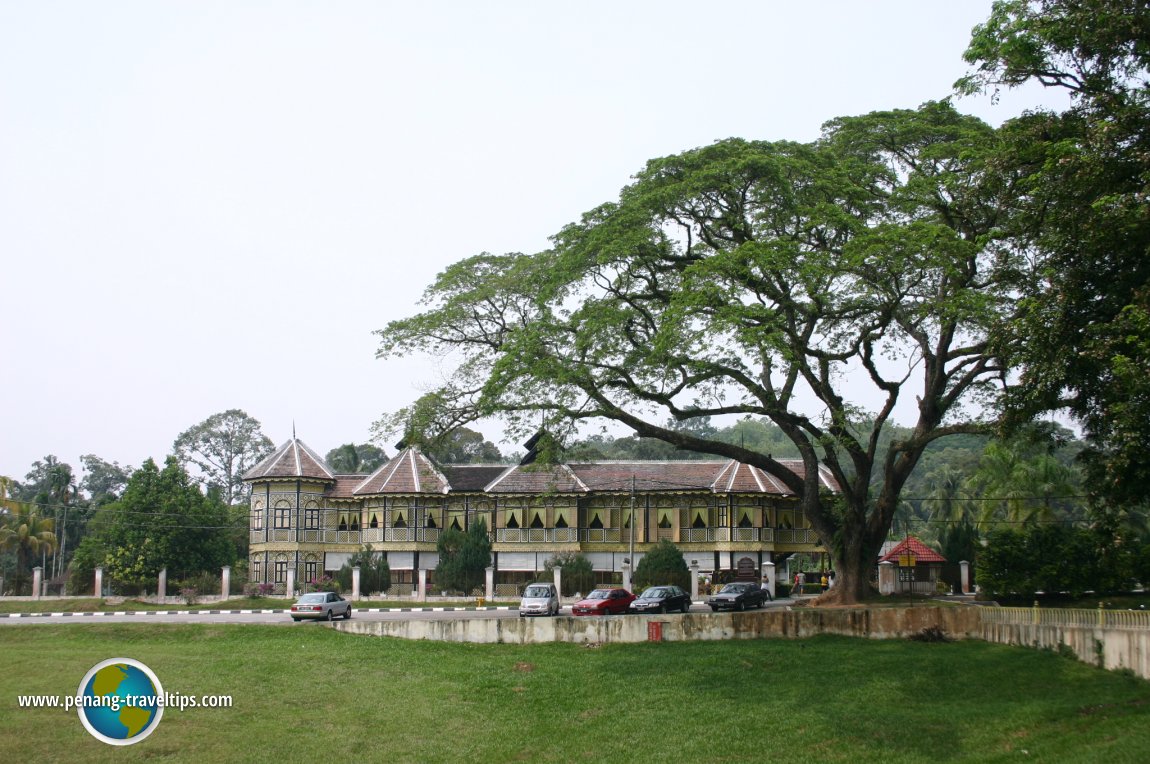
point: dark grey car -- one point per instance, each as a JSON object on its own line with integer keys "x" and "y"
{"x": 739, "y": 595}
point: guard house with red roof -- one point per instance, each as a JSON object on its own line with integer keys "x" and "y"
{"x": 724, "y": 515}
{"x": 916, "y": 568}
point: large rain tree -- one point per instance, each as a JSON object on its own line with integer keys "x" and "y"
{"x": 222, "y": 448}
{"x": 818, "y": 285}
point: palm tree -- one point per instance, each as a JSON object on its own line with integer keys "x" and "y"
{"x": 1024, "y": 488}
{"x": 24, "y": 531}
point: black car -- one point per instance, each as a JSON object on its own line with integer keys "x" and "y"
{"x": 739, "y": 595}
{"x": 661, "y": 599}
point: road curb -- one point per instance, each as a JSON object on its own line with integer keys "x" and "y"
{"x": 276, "y": 611}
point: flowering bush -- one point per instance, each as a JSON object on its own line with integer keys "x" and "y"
{"x": 324, "y": 584}
{"x": 258, "y": 590}
{"x": 189, "y": 593}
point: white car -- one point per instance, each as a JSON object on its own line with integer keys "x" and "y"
{"x": 539, "y": 599}
{"x": 325, "y": 605}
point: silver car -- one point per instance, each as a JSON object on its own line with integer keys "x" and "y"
{"x": 325, "y": 605}
{"x": 539, "y": 599}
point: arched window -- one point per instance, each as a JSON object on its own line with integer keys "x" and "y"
{"x": 311, "y": 571}
{"x": 281, "y": 514}
{"x": 258, "y": 516}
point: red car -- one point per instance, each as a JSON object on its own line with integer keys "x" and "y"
{"x": 604, "y": 602}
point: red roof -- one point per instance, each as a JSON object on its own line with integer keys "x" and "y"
{"x": 911, "y": 544}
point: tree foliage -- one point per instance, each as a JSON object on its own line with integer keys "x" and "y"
{"x": 463, "y": 558}
{"x": 663, "y": 565}
{"x": 374, "y": 572}
{"x": 355, "y": 459}
{"x": 755, "y": 278}
{"x": 1082, "y": 332}
{"x": 1052, "y": 559}
{"x": 437, "y": 426}
{"x": 222, "y": 448}
{"x": 162, "y": 521}
{"x": 577, "y": 573}
{"x": 25, "y": 531}
{"x": 103, "y": 481}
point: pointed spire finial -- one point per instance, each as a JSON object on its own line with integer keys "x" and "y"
{"x": 293, "y": 429}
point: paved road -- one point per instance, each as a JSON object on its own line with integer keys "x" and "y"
{"x": 281, "y": 618}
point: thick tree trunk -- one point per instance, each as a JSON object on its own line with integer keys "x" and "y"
{"x": 854, "y": 565}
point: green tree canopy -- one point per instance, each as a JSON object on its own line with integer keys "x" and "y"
{"x": 808, "y": 284}
{"x": 1081, "y": 335}
{"x": 103, "y": 481}
{"x": 663, "y": 565}
{"x": 463, "y": 558}
{"x": 577, "y": 574}
{"x": 222, "y": 448}
{"x": 355, "y": 459}
{"x": 25, "y": 531}
{"x": 162, "y": 521}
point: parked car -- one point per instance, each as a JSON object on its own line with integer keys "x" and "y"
{"x": 661, "y": 599}
{"x": 539, "y": 599}
{"x": 604, "y": 602}
{"x": 739, "y": 595}
{"x": 325, "y": 605}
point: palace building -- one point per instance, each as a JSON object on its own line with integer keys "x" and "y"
{"x": 724, "y": 515}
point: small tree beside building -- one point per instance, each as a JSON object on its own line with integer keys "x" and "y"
{"x": 463, "y": 558}
{"x": 661, "y": 566}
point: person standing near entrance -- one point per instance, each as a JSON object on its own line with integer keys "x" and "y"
{"x": 799, "y": 581}
{"x": 824, "y": 583}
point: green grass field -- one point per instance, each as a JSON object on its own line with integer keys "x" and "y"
{"x": 310, "y": 693}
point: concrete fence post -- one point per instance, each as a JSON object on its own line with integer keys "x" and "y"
{"x": 557, "y": 576}
{"x": 225, "y": 582}
{"x": 694, "y": 580}
{"x": 887, "y": 577}
{"x": 489, "y": 583}
{"x": 162, "y": 584}
{"x": 964, "y": 576}
{"x": 355, "y": 582}
{"x": 769, "y": 577}
{"x": 289, "y": 586}
{"x": 99, "y": 581}
{"x": 421, "y": 592}
{"x": 627, "y": 576}
{"x": 37, "y": 579}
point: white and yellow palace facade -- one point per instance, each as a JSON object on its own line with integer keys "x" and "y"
{"x": 723, "y": 515}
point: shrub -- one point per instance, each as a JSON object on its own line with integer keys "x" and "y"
{"x": 663, "y": 565}
{"x": 463, "y": 558}
{"x": 374, "y": 572}
{"x": 204, "y": 584}
{"x": 577, "y": 573}
{"x": 324, "y": 584}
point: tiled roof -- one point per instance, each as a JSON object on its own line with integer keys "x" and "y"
{"x": 291, "y": 460}
{"x": 921, "y": 551}
{"x": 471, "y": 477}
{"x": 558, "y": 478}
{"x": 408, "y": 472}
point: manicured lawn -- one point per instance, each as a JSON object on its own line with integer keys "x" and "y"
{"x": 311, "y": 693}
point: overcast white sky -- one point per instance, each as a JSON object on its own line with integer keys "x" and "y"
{"x": 211, "y": 205}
